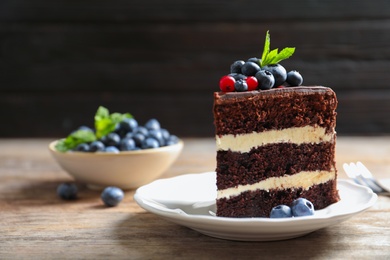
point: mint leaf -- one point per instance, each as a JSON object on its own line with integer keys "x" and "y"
{"x": 105, "y": 122}
{"x": 74, "y": 139}
{"x": 274, "y": 57}
{"x": 266, "y": 49}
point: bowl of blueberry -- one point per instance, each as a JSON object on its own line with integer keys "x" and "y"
{"x": 118, "y": 151}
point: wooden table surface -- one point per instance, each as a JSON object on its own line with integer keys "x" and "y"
{"x": 36, "y": 224}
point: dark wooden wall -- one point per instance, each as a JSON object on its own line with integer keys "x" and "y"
{"x": 60, "y": 60}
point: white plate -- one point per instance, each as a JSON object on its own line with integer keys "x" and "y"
{"x": 189, "y": 200}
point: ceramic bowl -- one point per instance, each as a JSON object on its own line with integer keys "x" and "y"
{"x": 126, "y": 170}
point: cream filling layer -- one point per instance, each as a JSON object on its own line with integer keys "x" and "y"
{"x": 304, "y": 179}
{"x": 298, "y": 135}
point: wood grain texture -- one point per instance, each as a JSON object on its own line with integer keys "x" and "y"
{"x": 178, "y": 51}
{"x": 36, "y": 224}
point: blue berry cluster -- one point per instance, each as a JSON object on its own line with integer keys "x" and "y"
{"x": 299, "y": 208}
{"x": 129, "y": 136}
{"x": 248, "y": 76}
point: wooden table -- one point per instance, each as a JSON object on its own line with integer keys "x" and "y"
{"x": 36, "y": 224}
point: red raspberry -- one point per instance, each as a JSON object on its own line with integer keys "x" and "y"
{"x": 252, "y": 83}
{"x": 226, "y": 83}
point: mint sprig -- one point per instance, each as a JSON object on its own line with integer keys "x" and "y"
{"x": 274, "y": 57}
{"x": 105, "y": 123}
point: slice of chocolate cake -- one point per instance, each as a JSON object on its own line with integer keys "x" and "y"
{"x": 274, "y": 146}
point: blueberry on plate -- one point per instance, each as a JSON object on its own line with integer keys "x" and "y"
{"x": 67, "y": 191}
{"x": 302, "y": 207}
{"x": 281, "y": 211}
{"x": 111, "y": 196}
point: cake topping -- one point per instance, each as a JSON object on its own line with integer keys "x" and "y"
{"x": 269, "y": 73}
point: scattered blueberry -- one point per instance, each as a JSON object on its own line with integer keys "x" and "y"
{"x": 67, "y": 191}
{"x": 294, "y": 78}
{"x": 265, "y": 79}
{"x": 241, "y": 86}
{"x": 302, "y": 207}
{"x": 281, "y": 211}
{"x": 111, "y": 196}
{"x": 279, "y": 73}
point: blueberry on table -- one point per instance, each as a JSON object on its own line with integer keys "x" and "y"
{"x": 302, "y": 207}
{"x": 294, "y": 78}
{"x": 279, "y": 73}
{"x": 265, "y": 79}
{"x": 281, "y": 211}
{"x": 111, "y": 196}
{"x": 67, "y": 191}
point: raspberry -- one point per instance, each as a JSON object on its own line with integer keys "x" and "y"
{"x": 226, "y": 83}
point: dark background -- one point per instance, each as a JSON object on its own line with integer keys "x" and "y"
{"x": 60, "y": 60}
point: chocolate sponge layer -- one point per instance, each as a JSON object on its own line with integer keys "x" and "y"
{"x": 273, "y": 160}
{"x": 259, "y": 203}
{"x": 257, "y": 111}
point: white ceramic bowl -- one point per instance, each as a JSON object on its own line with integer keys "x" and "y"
{"x": 126, "y": 170}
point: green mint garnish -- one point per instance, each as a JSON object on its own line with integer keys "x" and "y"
{"x": 105, "y": 123}
{"x": 273, "y": 57}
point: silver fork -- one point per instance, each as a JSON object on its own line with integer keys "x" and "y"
{"x": 361, "y": 175}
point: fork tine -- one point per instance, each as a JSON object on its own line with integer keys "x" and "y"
{"x": 367, "y": 175}
{"x": 352, "y": 173}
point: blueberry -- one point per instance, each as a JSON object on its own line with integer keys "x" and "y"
{"x": 238, "y": 76}
{"x": 157, "y": 134}
{"x": 111, "y": 196}
{"x": 173, "y": 139}
{"x": 141, "y": 130}
{"x": 241, "y": 86}
{"x": 112, "y": 139}
{"x": 281, "y": 211}
{"x": 126, "y": 125}
{"x": 67, "y": 191}
{"x": 84, "y": 147}
{"x": 236, "y": 66}
{"x": 150, "y": 143}
{"x": 302, "y": 207}
{"x": 265, "y": 79}
{"x": 279, "y": 73}
{"x": 294, "y": 78}
{"x": 127, "y": 144}
{"x": 152, "y": 124}
{"x": 83, "y": 128}
{"x": 138, "y": 139}
{"x": 111, "y": 149}
{"x": 96, "y": 146}
{"x": 250, "y": 68}
{"x": 254, "y": 60}
{"x": 165, "y": 134}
